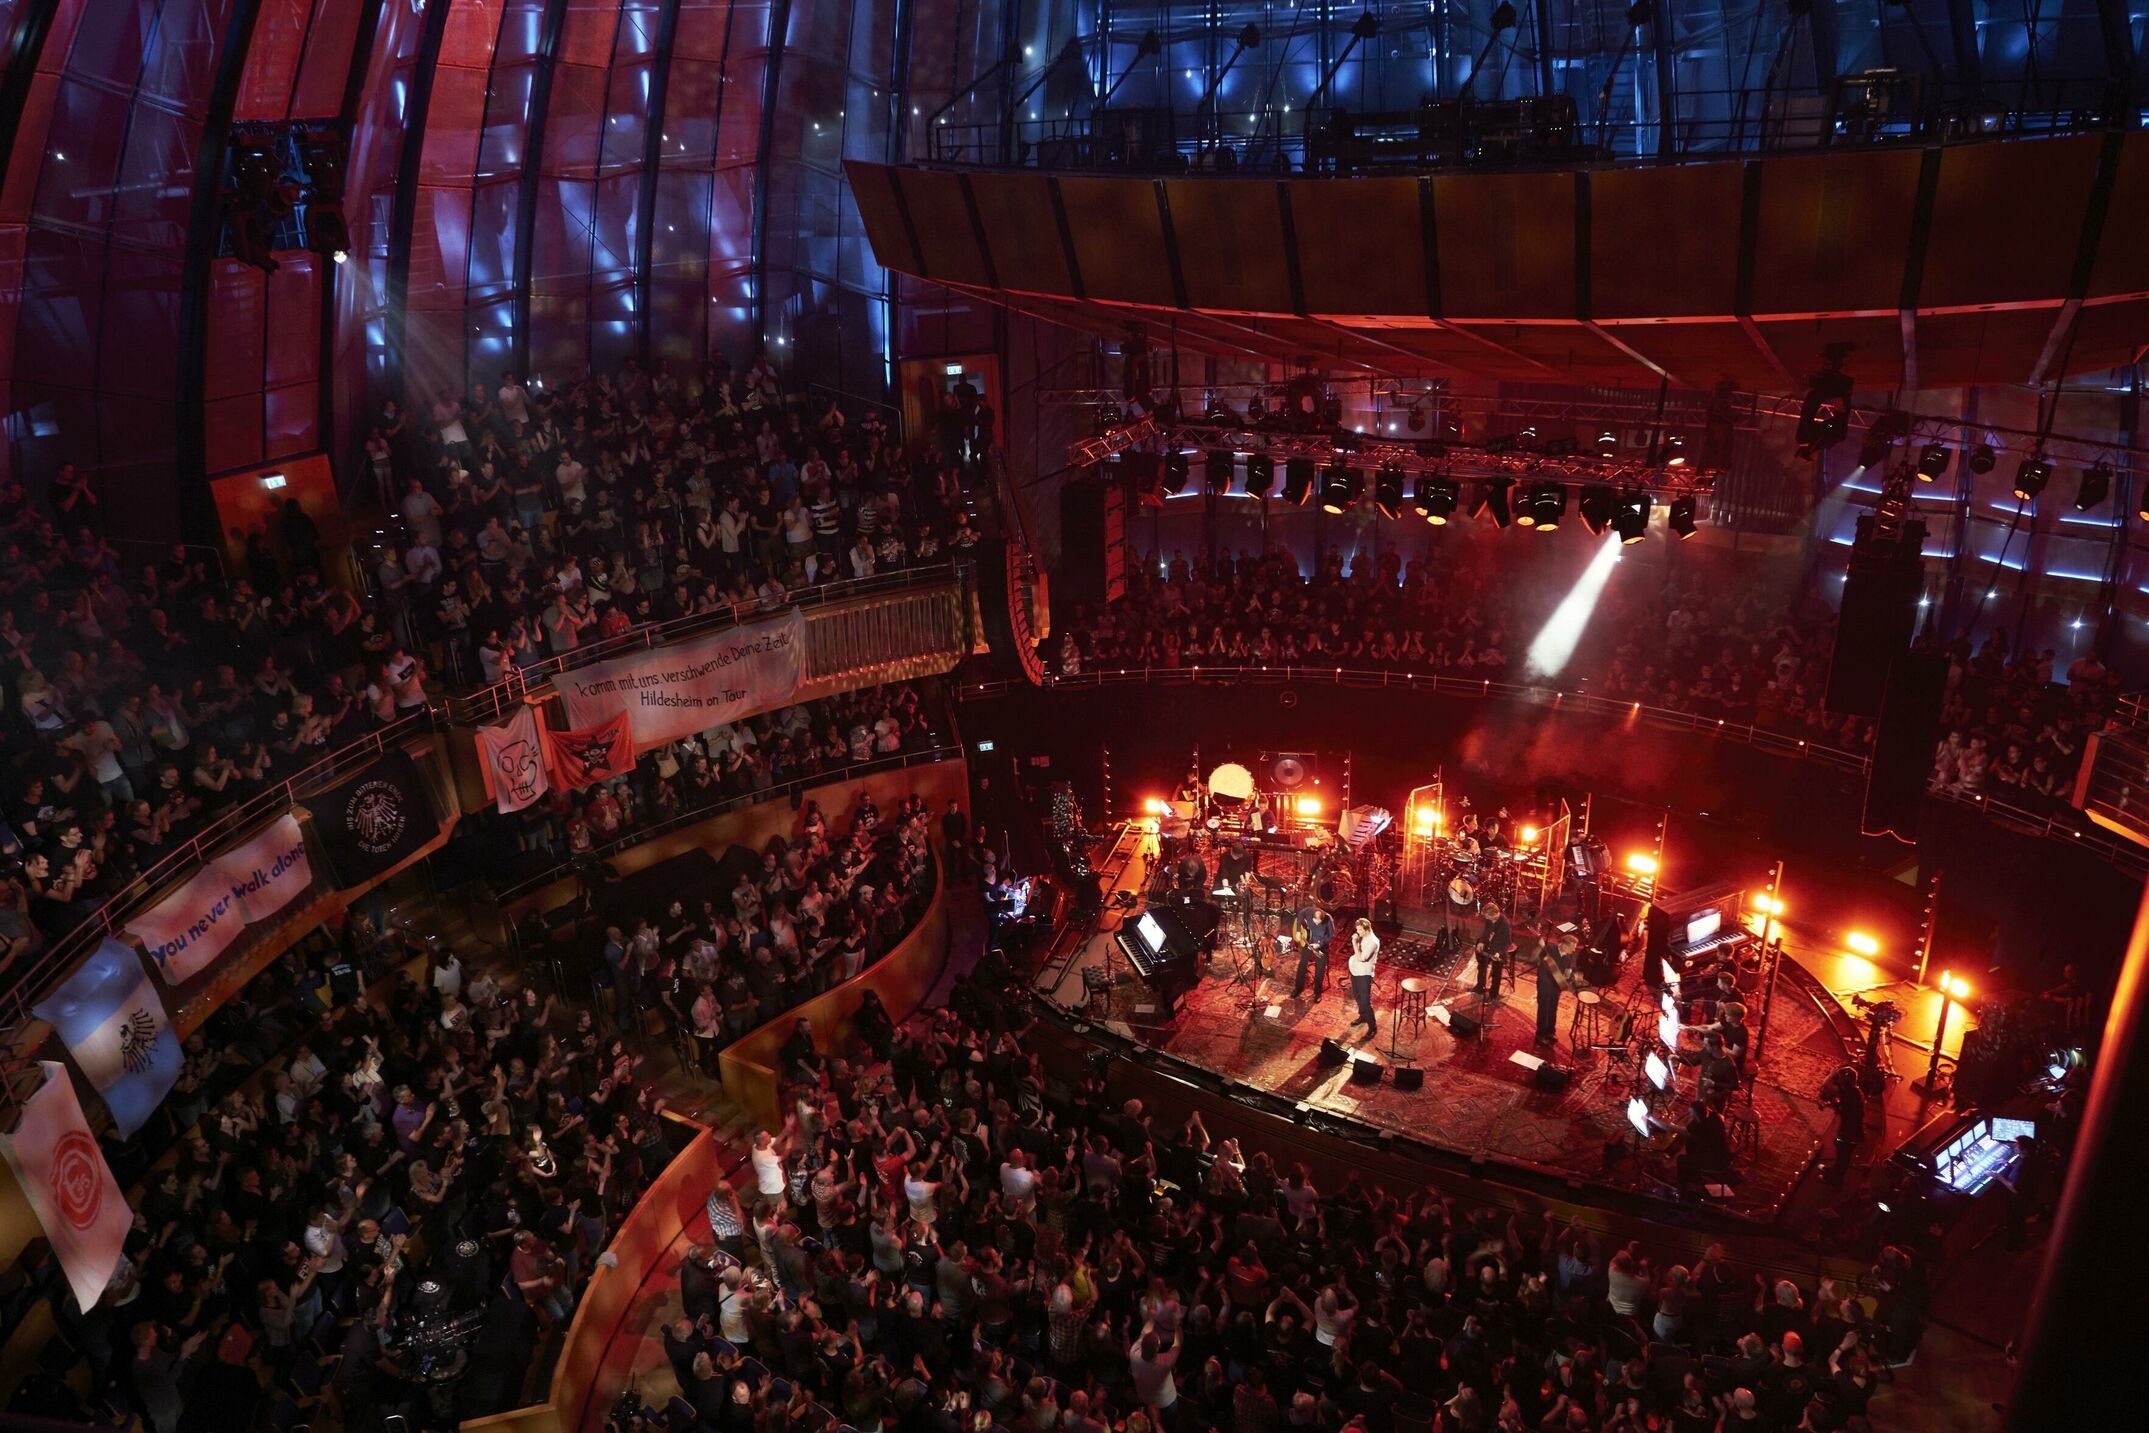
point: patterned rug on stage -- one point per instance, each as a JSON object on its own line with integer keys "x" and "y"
{"x": 1476, "y": 1100}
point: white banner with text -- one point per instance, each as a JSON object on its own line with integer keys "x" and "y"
{"x": 671, "y": 692}
{"x": 195, "y": 924}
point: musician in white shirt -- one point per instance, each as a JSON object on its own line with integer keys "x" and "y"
{"x": 1365, "y": 956}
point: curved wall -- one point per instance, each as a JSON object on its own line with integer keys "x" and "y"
{"x": 545, "y": 185}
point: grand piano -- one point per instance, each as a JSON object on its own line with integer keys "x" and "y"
{"x": 1696, "y": 927}
{"x": 1165, "y": 945}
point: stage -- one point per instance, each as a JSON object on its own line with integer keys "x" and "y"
{"x": 1476, "y": 1101}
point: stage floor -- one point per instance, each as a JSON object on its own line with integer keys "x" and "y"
{"x": 1476, "y": 1101}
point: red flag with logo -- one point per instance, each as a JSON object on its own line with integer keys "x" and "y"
{"x": 62, "y": 1171}
{"x": 597, "y": 753}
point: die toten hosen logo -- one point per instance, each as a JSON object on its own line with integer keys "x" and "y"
{"x": 375, "y": 817}
{"x": 517, "y": 768}
{"x": 77, "y": 1180}
{"x": 595, "y": 752}
{"x": 137, "y": 1041}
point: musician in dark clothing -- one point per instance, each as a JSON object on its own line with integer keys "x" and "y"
{"x": 1705, "y": 1153}
{"x": 1316, "y": 930}
{"x": 1841, "y": 1093}
{"x": 1555, "y": 973}
{"x": 1492, "y": 948}
{"x": 954, "y": 833}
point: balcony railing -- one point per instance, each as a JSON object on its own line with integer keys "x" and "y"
{"x": 487, "y": 703}
{"x": 30, "y": 980}
{"x": 1876, "y": 109}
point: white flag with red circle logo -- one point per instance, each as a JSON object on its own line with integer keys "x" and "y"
{"x": 59, "y": 1166}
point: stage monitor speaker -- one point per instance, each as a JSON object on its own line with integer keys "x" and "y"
{"x": 1409, "y": 1077}
{"x": 1331, "y": 1055}
{"x": 1878, "y": 615}
{"x": 1365, "y": 1072}
{"x": 1462, "y": 1026}
{"x": 1903, "y": 742}
{"x": 1549, "y": 1076}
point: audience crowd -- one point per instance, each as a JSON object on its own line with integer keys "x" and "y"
{"x": 810, "y": 913}
{"x": 732, "y": 761}
{"x": 1721, "y": 649}
{"x": 146, "y": 697}
{"x": 941, "y": 1239}
{"x": 448, "y": 1144}
{"x": 535, "y": 521}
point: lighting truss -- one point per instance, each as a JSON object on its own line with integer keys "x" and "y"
{"x": 1684, "y": 413}
{"x": 1111, "y": 442}
{"x": 1457, "y": 461}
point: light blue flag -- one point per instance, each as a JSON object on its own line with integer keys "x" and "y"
{"x": 113, "y": 1023}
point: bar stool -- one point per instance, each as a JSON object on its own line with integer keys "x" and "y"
{"x": 1591, "y": 1023}
{"x": 1409, "y": 1015}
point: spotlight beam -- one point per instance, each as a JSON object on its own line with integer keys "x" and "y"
{"x": 1562, "y": 632}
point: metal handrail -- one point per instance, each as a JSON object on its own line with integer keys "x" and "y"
{"x": 641, "y": 835}
{"x": 486, "y": 703}
{"x": 2077, "y": 830}
{"x": 31, "y": 983}
{"x": 1713, "y": 124}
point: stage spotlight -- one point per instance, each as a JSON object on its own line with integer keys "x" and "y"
{"x": 1562, "y": 632}
{"x": 1824, "y": 417}
{"x": 1674, "y": 451}
{"x": 1436, "y": 498}
{"x": 1260, "y": 474}
{"x": 1933, "y": 461}
{"x": 1217, "y": 466}
{"x": 1309, "y": 806}
{"x": 1176, "y": 472}
{"x": 1388, "y": 490}
{"x": 1862, "y": 943}
{"x": 1594, "y": 506}
{"x": 1529, "y": 835}
{"x": 1880, "y": 439}
{"x": 1548, "y": 504}
{"x": 1983, "y": 459}
{"x": 1768, "y": 905}
{"x": 1607, "y": 442}
{"x": 1341, "y": 487}
{"x": 1157, "y": 806}
{"x": 1683, "y": 510}
{"x": 2031, "y": 477}
{"x": 1641, "y": 863}
{"x": 1425, "y": 820}
{"x": 1631, "y": 519}
{"x": 1416, "y": 419}
{"x": 1955, "y": 985}
{"x": 1297, "y": 480}
{"x": 1492, "y": 501}
{"x": 2096, "y": 486}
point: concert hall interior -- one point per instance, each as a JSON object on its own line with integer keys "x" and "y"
{"x": 957, "y": 716}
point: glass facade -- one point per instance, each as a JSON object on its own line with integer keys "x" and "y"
{"x": 586, "y": 181}
{"x": 1691, "y": 76}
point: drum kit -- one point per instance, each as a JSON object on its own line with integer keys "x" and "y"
{"x": 1468, "y": 877}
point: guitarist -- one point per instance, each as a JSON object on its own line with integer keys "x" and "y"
{"x": 1314, "y": 929}
{"x": 1555, "y": 973}
{"x": 1492, "y": 948}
